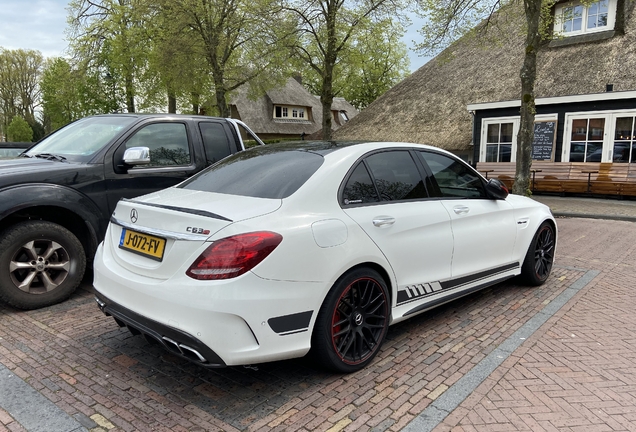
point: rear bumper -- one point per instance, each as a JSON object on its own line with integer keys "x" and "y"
{"x": 176, "y": 341}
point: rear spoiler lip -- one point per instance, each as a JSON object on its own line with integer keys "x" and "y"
{"x": 181, "y": 209}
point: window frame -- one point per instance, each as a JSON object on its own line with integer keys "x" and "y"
{"x": 294, "y": 112}
{"x": 610, "y": 117}
{"x": 423, "y": 171}
{"x": 439, "y": 194}
{"x": 559, "y": 15}
{"x": 119, "y": 153}
{"x": 515, "y": 120}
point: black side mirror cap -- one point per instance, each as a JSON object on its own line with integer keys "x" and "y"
{"x": 496, "y": 189}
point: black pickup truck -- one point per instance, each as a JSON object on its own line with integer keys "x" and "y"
{"x": 56, "y": 197}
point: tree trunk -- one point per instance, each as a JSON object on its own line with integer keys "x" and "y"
{"x": 172, "y": 101}
{"x": 195, "y": 103}
{"x": 326, "y": 99}
{"x": 221, "y": 103}
{"x": 130, "y": 94}
{"x": 527, "y": 112}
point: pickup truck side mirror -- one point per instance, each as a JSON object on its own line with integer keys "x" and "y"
{"x": 137, "y": 156}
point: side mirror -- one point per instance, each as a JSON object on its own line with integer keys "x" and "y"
{"x": 496, "y": 189}
{"x": 137, "y": 156}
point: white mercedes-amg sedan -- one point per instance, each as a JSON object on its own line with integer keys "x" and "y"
{"x": 313, "y": 247}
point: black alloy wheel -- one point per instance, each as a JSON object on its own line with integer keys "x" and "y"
{"x": 353, "y": 321}
{"x": 537, "y": 265}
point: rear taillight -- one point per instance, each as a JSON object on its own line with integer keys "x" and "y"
{"x": 232, "y": 256}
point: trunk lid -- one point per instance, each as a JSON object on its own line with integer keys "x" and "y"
{"x": 156, "y": 234}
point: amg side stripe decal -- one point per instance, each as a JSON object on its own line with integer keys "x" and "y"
{"x": 418, "y": 291}
{"x": 451, "y": 283}
{"x": 446, "y": 299}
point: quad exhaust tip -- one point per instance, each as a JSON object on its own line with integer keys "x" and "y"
{"x": 172, "y": 345}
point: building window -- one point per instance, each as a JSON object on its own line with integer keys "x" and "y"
{"x": 284, "y": 111}
{"x": 625, "y": 140}
{"x": 343, "y": 116}
{"x": 574, "y": 18}
{"x": 586, "y": 141}
{"x": 499, "y": 142}
{"x": 602, "y": 136}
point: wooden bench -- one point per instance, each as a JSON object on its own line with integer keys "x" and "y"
{"x": 609, "y": 179}
{"x": 570, "y": 177}
{"x": 629, "y": 187}
{"x": 581, "y": 176}
{"x": 504, "y": 171}
{"x": 549, "y": 176}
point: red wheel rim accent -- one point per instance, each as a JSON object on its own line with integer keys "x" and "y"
{"x": 359, "y": 321}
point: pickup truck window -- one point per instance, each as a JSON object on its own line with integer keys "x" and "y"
{"x": 217, "y": 146}
{"x": 82, "y": 138}
{"x": 168, "y": 144}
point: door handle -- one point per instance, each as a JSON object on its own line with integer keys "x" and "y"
{"x": 381, "y": 221}
{"x": 461, "y": 210}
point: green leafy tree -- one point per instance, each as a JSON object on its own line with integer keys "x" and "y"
{"x": 177, "y": 67}
{"x": 327, "y": 30}
{"x": 236, "y": 39}
{"x": 375, "y": 61}
{"x": 111, "y": 36}
{"x": 19, "y": 130}
{"x": 447, "y": 20}
{"x": 19, "y": 90}
{"x": 70, "y": 93}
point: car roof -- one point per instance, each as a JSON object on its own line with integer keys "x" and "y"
{"x": 158, "y": 115}
{"x": 325, "y": 147}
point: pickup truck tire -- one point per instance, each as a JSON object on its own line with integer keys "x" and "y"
{"x": 41, "y": 263}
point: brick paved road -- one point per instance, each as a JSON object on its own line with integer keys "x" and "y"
{"x": 575, "y": 373}
{"x": 578, "y": 372}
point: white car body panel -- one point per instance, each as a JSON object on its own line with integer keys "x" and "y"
{"x": 485, "y": 225}
{"x": 399, "y": 230}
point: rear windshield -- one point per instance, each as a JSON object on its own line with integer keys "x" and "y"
{"x": 262, "y": 172}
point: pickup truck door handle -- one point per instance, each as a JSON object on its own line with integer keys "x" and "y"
{"x": 461, "y": 210}
{"x": 381, "y": 221}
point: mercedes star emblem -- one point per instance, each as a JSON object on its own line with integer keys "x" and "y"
{"x": 134, "y": 216}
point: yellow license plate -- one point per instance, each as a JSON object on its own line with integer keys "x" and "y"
{"x": 142, "y": 244}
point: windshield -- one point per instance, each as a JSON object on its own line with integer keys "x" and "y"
{"x": 261, "y": 172}
{"x": 82, "y": 138}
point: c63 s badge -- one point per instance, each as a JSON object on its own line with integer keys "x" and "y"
{"x": 195, "y": 230}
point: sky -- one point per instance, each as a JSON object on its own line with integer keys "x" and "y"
{"x": 40, "y": 25}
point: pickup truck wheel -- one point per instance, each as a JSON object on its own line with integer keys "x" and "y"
{"x": 41, "y": 263}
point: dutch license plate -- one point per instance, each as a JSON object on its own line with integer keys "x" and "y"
{"x": 142, "y": 244}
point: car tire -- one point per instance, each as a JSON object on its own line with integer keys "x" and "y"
{"x": 537, "y": 264}
{"x": 41, "y": 263}
{"x": 352, "y": 322}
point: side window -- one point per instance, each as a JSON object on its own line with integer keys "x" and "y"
{"x": 396, "y": 176}
{"x": 217, "y": 145}
{"x": 359, "y": 188}
{"x": 454, "y": 178}
{"x": 168, "y": 143}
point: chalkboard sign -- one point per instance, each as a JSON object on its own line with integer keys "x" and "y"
{"x": 543, "y": 143}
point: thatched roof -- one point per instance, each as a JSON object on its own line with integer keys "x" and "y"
{"x": 429, "y": 106}
{"x": 258, "y": 114}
